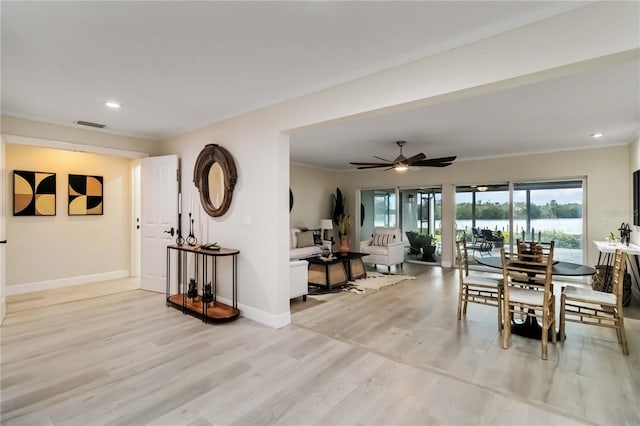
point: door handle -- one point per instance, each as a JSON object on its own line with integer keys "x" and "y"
{"x": 3, "y": 242}
{"x": 171, "y": 231}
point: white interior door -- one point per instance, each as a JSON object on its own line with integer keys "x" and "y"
{"x": 159, "y": 218}
{"x": 135, "y": 200}
{"x": 3, "y": 236}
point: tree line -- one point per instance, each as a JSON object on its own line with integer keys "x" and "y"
{"x": 497, "y": 211}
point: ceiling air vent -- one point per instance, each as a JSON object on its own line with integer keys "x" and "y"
{"x": 90, "y": 124}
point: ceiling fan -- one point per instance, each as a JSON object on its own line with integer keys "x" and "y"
{"x": 402, "y": 163}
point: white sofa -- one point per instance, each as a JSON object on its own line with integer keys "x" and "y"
{"x": 385, "y": 247}
{"x": 299, "y": 249}
{"x": 298, "y": 279}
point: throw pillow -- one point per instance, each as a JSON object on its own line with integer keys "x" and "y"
{"x": 382, "y": 239}
{"x": 305, "y": 239}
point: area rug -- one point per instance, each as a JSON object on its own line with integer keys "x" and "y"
{"x": 374, "y": 281}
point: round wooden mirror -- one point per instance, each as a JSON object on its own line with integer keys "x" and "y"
{"x": 214, "y": 174}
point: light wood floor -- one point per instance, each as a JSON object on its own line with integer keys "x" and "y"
{"x": 392, "y": 356}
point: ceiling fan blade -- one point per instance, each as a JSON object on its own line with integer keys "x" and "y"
{"x": 372, "y": 164}
{"x": 373, "y": 167}
{"x": 415, "y": 158}
{"x": 443, "y": 159}
{"x": 429, "y": 163}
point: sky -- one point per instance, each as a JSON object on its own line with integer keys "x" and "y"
{"x": 538, "y": 197}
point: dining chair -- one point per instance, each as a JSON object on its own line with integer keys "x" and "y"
{"x": 534, "y": 250}
{"x": 476, "y": 288}
{"x": 528, "y": 291}
{"x": 588, "y": 306}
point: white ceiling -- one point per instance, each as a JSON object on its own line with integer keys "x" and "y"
{"x": 176, "y": 66}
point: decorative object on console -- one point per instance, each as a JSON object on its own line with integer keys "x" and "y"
{"x": 207, "y": 294}
{"x": 85, "y": 195}
{"x": 625, "y": 234}
{"x": 210, "y": 246}
{"x": 192, "y": 292}
{"x": 191, "y": 239}
{"x": 179, "y": 237}
{"x": 34, "y": 193}
{"x": 215, "y": 176}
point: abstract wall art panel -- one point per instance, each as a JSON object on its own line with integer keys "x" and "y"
{"x": 85, "y": 195}
{"x": 34, "y": 193}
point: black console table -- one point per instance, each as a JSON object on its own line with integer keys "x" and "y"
{"x": 214, "y": 309}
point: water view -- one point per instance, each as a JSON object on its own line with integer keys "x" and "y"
{"x": 569, "y": 226}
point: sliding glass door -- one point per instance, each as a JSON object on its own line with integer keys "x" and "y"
{"x": 543, "y": 210}
{"x": 551, "y": 211}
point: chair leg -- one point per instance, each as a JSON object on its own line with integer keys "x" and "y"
{"x": 617, "y": 327}
{"x": 552, "y": 320}
{"x": 545, "y": 334}
{"x": 499, "y": 311}
{"x": 625, "y": 345}
{"x": 562, "y": 319}
{"x": 466, "y": 298}
{"x": 506, "y": 333}
{"x": 460, "y": 302}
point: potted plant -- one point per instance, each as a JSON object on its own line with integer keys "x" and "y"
{"x": 344, "y": 227}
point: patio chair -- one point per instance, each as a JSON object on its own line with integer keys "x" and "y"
{"x": 480, "y": 244}
{"x": 415, "y": 242}
{"x": 421, "y": 245}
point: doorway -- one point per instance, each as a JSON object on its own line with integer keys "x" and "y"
{"x": 421, "y": 223}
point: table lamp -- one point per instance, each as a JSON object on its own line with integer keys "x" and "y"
{"x": 325, "y": 225}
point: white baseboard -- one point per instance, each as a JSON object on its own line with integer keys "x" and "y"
{"x": 65, "y": 282}
{"x": 258, "y": 315}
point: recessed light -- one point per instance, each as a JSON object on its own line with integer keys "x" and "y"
{"x": 597, "y": 135}
{"x": 112, "y": 104}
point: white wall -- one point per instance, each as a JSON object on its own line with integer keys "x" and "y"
{"x": 312, "y": 193}
{"x": 53, "y": 251}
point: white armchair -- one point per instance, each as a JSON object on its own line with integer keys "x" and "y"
{"x": 385, "y": 247}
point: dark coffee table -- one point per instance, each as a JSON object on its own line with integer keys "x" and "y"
{"x": 336, "y": 272}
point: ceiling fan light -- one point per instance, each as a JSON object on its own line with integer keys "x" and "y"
{"x": 401, "y": 167}
{"x": 482, "y": 188}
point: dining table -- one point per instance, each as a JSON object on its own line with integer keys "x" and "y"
{"x": 530, "y": 327}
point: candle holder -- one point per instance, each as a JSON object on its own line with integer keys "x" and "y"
{"x": 179, "y": 238}
{"x": 191, "y": 239}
